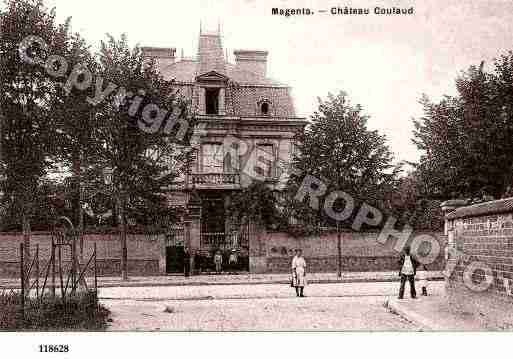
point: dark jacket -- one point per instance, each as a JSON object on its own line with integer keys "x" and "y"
{"x": 414, "y": 262}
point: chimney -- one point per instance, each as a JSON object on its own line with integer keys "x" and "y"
{"x": 252, "y": 60}
{"x": 164, "y": 56}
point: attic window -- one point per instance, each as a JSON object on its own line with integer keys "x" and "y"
{"x": 264, "y": 108}
{"x": 212, "y": 101}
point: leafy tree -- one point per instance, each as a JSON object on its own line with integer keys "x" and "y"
{"x": 257, "y": 203}
{"x": 410, "y": 204}
{"x": 26, "y": 93}
{"x": 74, "y": 115}
{"x": 145, "y": 159}
{"x": 466, "y": 139}
{"x": 338, "y": 149}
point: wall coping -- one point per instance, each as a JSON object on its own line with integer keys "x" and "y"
{"x": 481, "y": 209}
{"x": 113, "y": 232}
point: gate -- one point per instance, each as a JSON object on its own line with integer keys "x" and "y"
{"x": 38, "y": 285}
{"x": 175, "y": 249}
{"x": 175, "y": 259}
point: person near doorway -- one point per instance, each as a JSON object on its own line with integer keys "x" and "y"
{"x": 218, "y": 261}
{"x": 232, "y": 261}
{"x": 299, "y": 272}
{"x": 408, "y": 265}
{"x": 186, "y": 262}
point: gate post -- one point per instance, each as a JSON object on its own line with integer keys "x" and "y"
{"x": 193, "y": 227}
{"x": 37, "y": 270}
{"x": 22, "y": 275}
{"x": 187, "y": 244}
{"x": 52, "y": 258}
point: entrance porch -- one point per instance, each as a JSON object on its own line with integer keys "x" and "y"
{"x": 207, "y": 230}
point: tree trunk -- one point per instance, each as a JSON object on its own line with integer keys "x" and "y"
{"x": 77, "y": 174}
{"x": 122, "y": 236}
{"x": 339, "y": 248}
{"x": 78, "y": 206}
{"x": 26, "y": 241}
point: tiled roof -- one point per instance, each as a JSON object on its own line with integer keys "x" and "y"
{"x": 248, "y": 77}
{"x": 181, "y": 71}
{"x": 186, "y": 71}
{"x": 211, "y": 58}
{"x": 485, "y": 208}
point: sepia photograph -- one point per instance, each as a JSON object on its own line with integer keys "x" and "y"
{"x": 255, "y": 166}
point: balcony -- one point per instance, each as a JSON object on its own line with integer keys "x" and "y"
{"x": 215, "y": 180}
{"x": 224, "y": 241}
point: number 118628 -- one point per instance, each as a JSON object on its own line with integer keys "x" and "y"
{"x": 53, "y": 348}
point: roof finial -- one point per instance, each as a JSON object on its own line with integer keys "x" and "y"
{"x": 181, "y": 53}
{"x": 200, "y": 27}
{"x": 219, "y": 27}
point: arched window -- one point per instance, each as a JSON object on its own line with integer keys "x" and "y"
{"x": 264, "y": 108}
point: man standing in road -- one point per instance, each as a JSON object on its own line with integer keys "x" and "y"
{"x": 407, "y": 272}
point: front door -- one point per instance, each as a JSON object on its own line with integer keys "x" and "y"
{"x": 175, "y": 259}
{"x": 213, "y": 222}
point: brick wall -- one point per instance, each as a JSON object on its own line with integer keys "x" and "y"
{"x": 143, "y": 252}
{"x": 483, "y": 235}
{"x": 245, "y": 100}
{"x": 360, "y": 252}
{"x": 269, "y": 252}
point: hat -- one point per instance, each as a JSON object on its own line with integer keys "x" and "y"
{"x": 233, "y": 250}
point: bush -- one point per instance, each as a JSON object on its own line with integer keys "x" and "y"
{"x": 79, "y": 312}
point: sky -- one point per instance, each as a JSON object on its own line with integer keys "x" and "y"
{"x": 384, "y": 63}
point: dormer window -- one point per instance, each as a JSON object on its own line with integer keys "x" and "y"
{"x": 212, "y": 101}
{"x": 264, "y": 107}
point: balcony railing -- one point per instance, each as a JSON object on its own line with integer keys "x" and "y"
{"x": 175, "y": 236}
{"x": 215, "y": 179}
{"x": 223, "y": 241}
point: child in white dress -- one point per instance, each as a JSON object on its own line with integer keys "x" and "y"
{"x": 422, "y": 276}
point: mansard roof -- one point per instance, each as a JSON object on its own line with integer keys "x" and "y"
{"x": 187, "y": 70}
{"x": 211, "y": 59}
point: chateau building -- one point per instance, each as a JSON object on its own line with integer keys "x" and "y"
{"x": 234, "y": 102}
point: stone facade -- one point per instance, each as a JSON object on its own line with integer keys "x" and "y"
{"x": 236, "y": 101}
{"x": 481, "y": 259}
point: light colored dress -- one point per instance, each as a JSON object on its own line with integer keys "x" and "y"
{"x": 299, "y": 271}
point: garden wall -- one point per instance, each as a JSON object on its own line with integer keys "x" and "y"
{"x": 143, "y": 253}
{"x": 481, "y": 279}
{"x": 269, "y": 253}
{"x": 360, "y": 252}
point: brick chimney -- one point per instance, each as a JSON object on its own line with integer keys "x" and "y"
{"x": 252, "y": 60}
{"x": 164, "y": 56}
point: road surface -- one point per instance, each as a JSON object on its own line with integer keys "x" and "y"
{"x": 350, "y": 306}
